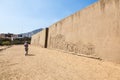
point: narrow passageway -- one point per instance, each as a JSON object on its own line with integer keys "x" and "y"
{"x": 45, "y": 64}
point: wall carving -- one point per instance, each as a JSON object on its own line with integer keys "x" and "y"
{"x": 59, "y": 42}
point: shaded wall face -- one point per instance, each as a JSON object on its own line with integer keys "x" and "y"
{"x": 39, "y": 39}
{"x": 92, "y": 31}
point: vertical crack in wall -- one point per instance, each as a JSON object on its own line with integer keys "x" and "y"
{"x": 46, "y": 37}
{"x": 117, "y": 3}
{"x": 102, "y": 5}
{"x": 118, "y": 17}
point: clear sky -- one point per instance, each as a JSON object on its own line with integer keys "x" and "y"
{"x": 19, "y": 16}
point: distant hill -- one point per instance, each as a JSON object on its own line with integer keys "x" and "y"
{"x": 29, "y": 34}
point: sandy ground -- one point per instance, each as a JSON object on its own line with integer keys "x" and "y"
{"x": 2, "y": 47}
{"x": 45, "y": 64}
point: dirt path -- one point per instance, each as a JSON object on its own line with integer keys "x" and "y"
{"x": 4, "y": 47}
{"x": 44, "y": 64}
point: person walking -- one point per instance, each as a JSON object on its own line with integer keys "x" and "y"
{"x": 26, "y": 48}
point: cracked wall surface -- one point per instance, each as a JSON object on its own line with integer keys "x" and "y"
{"x": 94, "y": 30}
{"x": 39, "y": 39}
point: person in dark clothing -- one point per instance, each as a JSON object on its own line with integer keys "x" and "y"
{"x": 26, "y": 47}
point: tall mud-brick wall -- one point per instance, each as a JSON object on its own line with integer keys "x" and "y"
{"x": 39, "y": 39}
{"x": 93, "y": 31}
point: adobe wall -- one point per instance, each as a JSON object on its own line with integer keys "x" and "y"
{"x": 93, "y": 31}
{"x": 39, "y": 39}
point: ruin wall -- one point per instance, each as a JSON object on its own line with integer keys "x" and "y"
{"x": 39, "y": 39}
{"x": 94, "y": 31}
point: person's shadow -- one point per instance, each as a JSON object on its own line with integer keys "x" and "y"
{"x": 30, "y": 55}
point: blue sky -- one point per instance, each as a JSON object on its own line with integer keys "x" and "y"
{"x": 19, "y": 16}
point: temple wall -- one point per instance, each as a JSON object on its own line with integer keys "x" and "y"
{"x": 94, "y": 31}
{"x": 39, "y": 39}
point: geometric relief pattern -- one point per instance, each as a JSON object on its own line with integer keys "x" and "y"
{"x": 59, "y": 42}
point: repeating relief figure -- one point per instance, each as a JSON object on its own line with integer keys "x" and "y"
{"x": 58, "y": 42}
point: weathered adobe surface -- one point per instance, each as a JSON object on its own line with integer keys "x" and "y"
{"x": 94, "y": 30}
{"x": 39, "y": 39}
